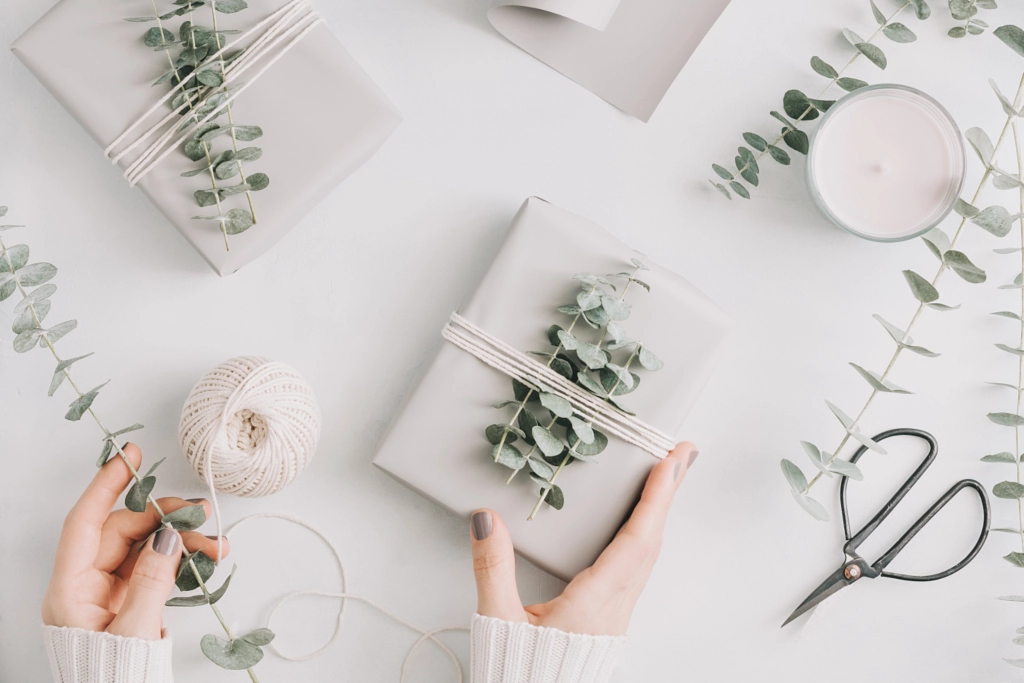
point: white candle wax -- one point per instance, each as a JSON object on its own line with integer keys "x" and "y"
{"x": 886, "y": 163}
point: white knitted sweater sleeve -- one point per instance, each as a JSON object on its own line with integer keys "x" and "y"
{"x": 500, "y": 652}
{"x": 510, "y": 652}
{"x": 80, "y": 656}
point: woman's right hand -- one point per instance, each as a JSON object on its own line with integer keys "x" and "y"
{"x": 600, "y": 600}
{"x": 106, "y": 577}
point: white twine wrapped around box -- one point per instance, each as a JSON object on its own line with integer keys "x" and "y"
{"x": 248, "y": 428}
{"x": 292, "y": 22}
{"x": 518, "y": 365}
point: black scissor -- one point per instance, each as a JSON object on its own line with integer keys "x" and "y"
{"x": 855, "y": 567}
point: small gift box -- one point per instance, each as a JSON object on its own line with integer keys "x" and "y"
{"x": 320, "y": 114}
{"x": 437, "y": 444}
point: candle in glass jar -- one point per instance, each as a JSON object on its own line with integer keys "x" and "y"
{"x": 886, "y": 163}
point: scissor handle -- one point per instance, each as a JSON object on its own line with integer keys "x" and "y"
{"x": 892, "y": 552}
{"x": 854, "y": 541}
{"x": 880, "y": 564}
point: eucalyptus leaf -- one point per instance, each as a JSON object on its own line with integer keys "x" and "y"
{"x": 595, "y": 447}
{"x": 157, "y": 36}
{"x": 617, "y": 308}
{"x": 981, "y": 144}
{"x": 59, "y": 331}
{"x": 797, "y": 140}
{"x": 108, "y": 446}
{"x": 1007, "y": 314}
{"x": 866, "y": 440}
{"x": 233, "y": 655}
{"x": 877, "y": 383}
{"x": 27, "y": 340}
{"x": 779, "y": 155}
{"x": 850, "y": 84}
{"x": 995, "y": 219}
{"x": 39, "y": 294}
{"x": 554, "y": 497}
{"x": 59, "y": 374}
{"x": 877, "y": 13}
{"x": 248, "y": 133}
{"x": 649, "y": 360}
{"x": 797, "y": 106}
{"x": 739, "y": 189}
{"x": 548, "y": 443}
{"x": 541, "y": 468}
{"x": 197, "y": 600}
{"x": 186, "y": 578}
{"x": 13, "y": 258}
{"x": 556, "y": 404}
{"x": 583, "y": 431}
{"x": 1003, "y": 457}
{"x": 822, "y": 68}
{"x": 30, "y": 319}
{"x": 843, "y": 418}
{"x": 1007, "y": 419}
{"x": 722, "y": 172}
{"x": 1012, "y": 36}
{"x": 813, "y": 507}
{"x": 81, "y": 404}
{"x": 1010, "y": 349}
{"x": 594, "y": 356}
{"x": 495, "y": 433}
{"x": 36, "y": 274}
{"x": 186, "y": 518}
{"x": 509, "y": 456}
{"x": 962, "y": 266}
{"x": 138, "y": 495}
{"x": 873, "y": 53}
{"x": 852, "y": 38}
{"x": 964, "y": 209}
{"x": 794, "y": 475}
{"x": 261, "y": 636}
{"x": 922, "y": 290}
{"x": 899, "y": 33}
{"x": 1016, "y": 559}
{"x": 258, "y": 181}
{"x": 845, "y": 468}
{"x": 756, "y": 141}
{"x": 816, "y": 457}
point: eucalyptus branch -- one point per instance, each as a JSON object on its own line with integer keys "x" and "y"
{"x": 565, "y": 436}
{"x": 1013, "y": 489}
{"x": 799, "y": 107}
{"x": 200, "y": 73}
{"x": 994, "y": 219}
{"x": 195, "y": 569}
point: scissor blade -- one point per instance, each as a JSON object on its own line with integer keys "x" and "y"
{"x": 830, "y": 586}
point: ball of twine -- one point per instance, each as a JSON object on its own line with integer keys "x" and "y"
{"x": 249, "y": 426}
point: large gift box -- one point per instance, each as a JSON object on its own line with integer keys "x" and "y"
{"x": 437, "y": 445}
{"x": 321, "y": 115}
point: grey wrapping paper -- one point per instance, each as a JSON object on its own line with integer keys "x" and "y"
{"x": 627, "y": 52}
{"x": 321, "y": 115}
{"x": 437, "y": 446}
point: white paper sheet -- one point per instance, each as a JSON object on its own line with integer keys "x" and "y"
{"x": 627, "y": 52}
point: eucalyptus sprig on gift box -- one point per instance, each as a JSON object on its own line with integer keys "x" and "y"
{"x": 199, "y": 75}
{"x": 559, "y": 433}
{"x": 32, "y": 282}
{"x": 994, "y": 219}
{"x": 799, "y": 108}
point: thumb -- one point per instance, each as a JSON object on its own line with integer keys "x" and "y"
{"x": 141, "y": 614}
{"x": 494, "y": 565}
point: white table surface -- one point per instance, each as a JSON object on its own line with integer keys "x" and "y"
{"x": 355, "y": 295}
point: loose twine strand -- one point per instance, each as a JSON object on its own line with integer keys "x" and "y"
{"x": 295, "y": 16}
{"x": 249, "y": 427}
{"x": 516, "y": 364}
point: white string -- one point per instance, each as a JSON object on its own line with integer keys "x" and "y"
{"x": 522, "y": 367}
{"x": 208, "y": 60}
{"x": 286, "y": 21}
{"x": 345, "y": 596}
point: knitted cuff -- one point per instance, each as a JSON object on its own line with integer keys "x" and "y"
{"x": 80, "y": 656}
{"x": 510, "y": 652}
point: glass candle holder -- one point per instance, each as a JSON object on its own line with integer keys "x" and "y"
{"x": 886, "y": 163}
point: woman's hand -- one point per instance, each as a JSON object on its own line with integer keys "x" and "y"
{"x": 600, "y": 600}
{"x": 107, "y": 576}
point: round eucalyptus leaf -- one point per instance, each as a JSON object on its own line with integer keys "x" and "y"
{"x": 186, "y": 578}
{"x": 186, "y": 518}
{"x": 822, "y": 68}
{"x": 233, "y": 655}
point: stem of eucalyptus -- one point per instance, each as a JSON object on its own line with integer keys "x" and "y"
{"x": 942, "y": 269}
{"x": 124, "y": 458}
{"x": 1018, "y": 140}
{"x": 231, "y": 120}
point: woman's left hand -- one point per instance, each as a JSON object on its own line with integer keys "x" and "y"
{"x": 107, "y": 576}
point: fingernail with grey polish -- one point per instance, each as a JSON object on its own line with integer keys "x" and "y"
{"x": 194, "y": 500}
{"x": 693, "y": 456}
{"x": 678, "y": 468}
{"x": 482, "y": 525}
{"x": 214, "y": 538}
{"x": 165, "y": 542}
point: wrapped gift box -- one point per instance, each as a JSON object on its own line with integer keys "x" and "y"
{"x": 321, "y": 115}
{"x": 437, "y": 446}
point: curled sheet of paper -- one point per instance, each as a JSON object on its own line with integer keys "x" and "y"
{"x": 627, "y": 52}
